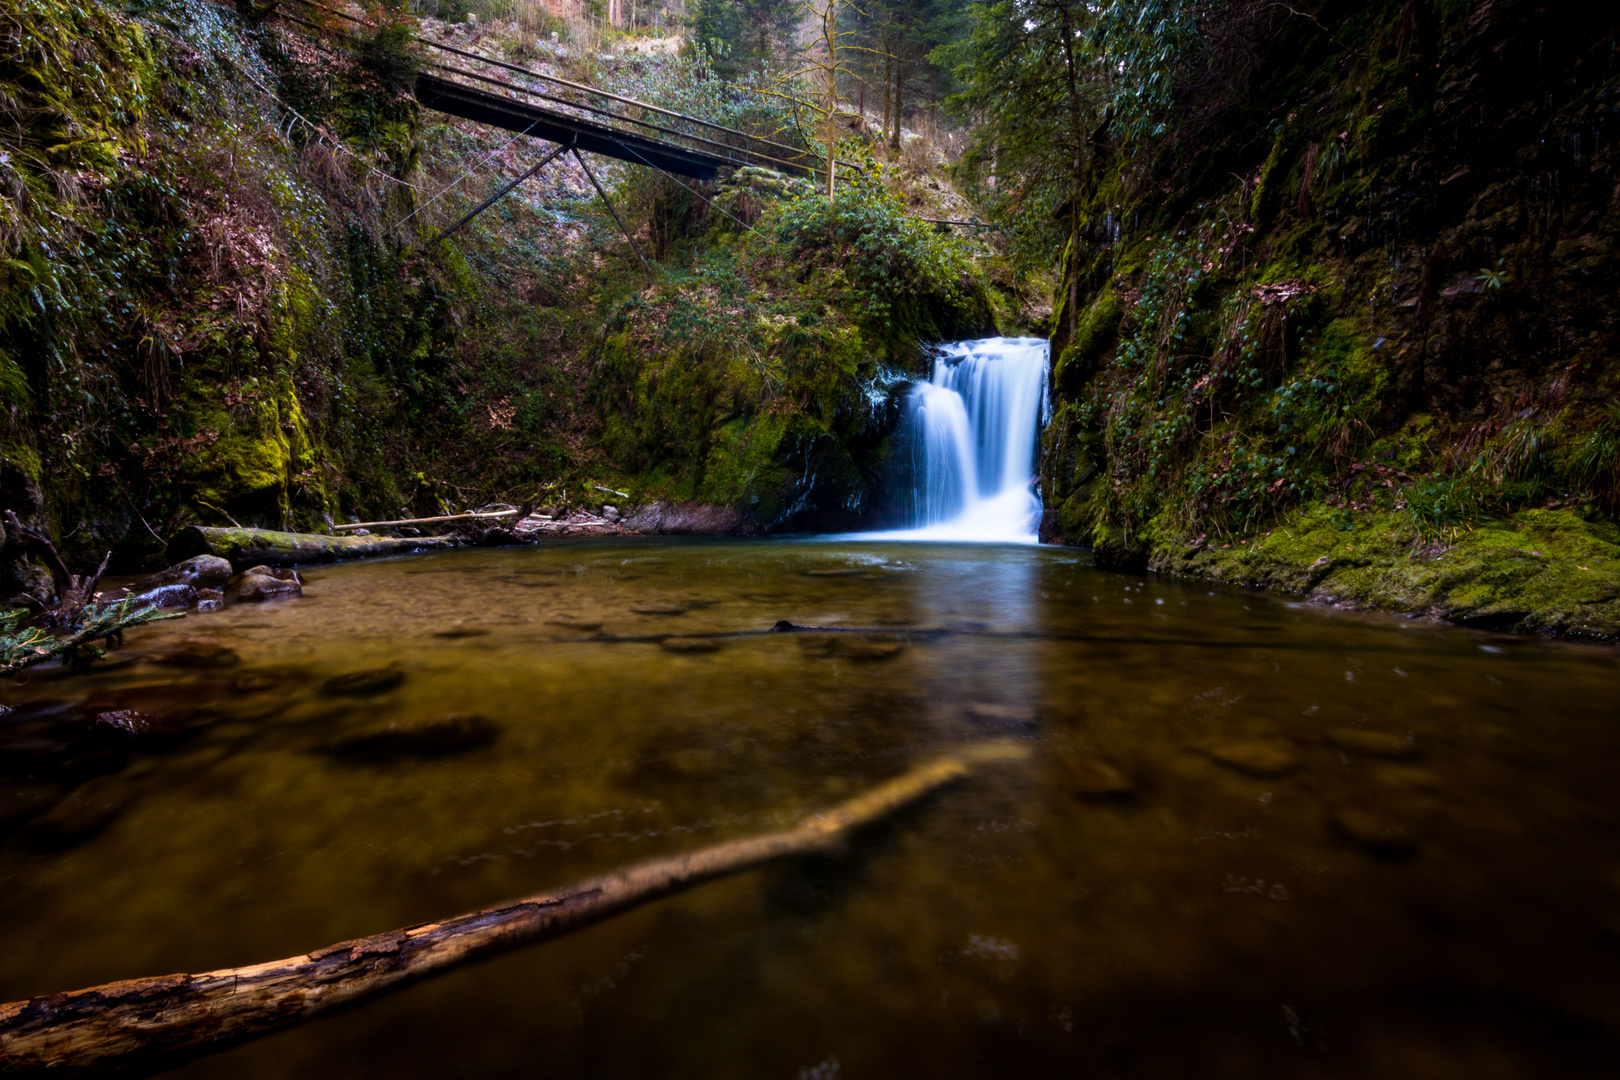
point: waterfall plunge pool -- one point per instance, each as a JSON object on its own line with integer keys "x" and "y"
{"x": 1251, "y": 838}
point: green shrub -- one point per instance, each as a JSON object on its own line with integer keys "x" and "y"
{"x": 907, "y": 276}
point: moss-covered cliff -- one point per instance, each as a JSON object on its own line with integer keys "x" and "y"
{"x": 221, "y": 300}
{"x": 1349, "y": 327}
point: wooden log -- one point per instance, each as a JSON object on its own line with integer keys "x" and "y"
{"x": 265, "y": 547}
{"x": 157, "y": 1022}
{"x": 426, "y": 520}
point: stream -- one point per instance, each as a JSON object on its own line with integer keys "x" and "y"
{"x": 1251, "y": 837}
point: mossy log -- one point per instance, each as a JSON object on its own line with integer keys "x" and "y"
{"x": 265, "y": 547}
{"x": 157, "y": 1022}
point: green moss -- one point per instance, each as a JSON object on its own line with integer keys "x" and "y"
{"x": 1095, "y": 336}
{"x": 1544, "y": 570}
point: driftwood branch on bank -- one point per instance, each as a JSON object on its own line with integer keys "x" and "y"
{"x": 427, "y": 520}
{"x": 159, "y": 1021}
{"x": 266, "y": 547}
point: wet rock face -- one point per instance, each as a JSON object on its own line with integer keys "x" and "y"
{"x": 260, "y": 583}
{"x": 691, "y": 519}
{"x": 200, "y": 572}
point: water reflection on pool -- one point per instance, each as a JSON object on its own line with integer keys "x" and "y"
{"x": 1252, "y": 838}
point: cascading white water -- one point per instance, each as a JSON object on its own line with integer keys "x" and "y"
{"x": 974, "y": 429}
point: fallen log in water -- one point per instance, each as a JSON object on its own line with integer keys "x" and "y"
{"x": 265, "y": 547}
{"x": 157, "y": 1022}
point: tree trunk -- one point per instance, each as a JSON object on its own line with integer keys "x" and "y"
{"x": 264, "y": 547}
{"x": 888, "y": 73}
{"x": 899, "y": 89}
{"x": 158, "y": 1022}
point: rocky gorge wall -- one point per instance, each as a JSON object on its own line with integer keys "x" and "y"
{"x": 1350, "y": 330}
{"x": 220, "y": 305}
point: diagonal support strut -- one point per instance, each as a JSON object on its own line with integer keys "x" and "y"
{"x": 487, "y": 203}
{"x": 615, "y": 213}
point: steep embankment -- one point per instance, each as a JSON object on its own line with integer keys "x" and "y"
{"x": 1351, "y": 328}
{"x": 220, "y": 302}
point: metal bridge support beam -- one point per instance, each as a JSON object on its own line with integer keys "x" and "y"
{"x": 487, "y": 203}
{"x": 612, "y": 211}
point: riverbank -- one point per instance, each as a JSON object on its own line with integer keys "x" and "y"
{"x": 1547, "y": 572}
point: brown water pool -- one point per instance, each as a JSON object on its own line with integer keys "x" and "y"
{"x": 1251, "y": 838}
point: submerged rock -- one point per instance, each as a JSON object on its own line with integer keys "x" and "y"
{"x": 659, "y": 609}
{"x": 1380, "y": 744}
{"x": 862, "y": 650}
{"x": 424, "y": 738}
{"x": 1253, "y": 756}
{"x": 582, "y": 625}
{"x": 690, "y": 645}
{"x": 24, "y": 799}
{"x": 1374, "y": 832}
{"x": 259, "y": 583}
{"x": 87, "y": 810}
{"x": 362, "y": 683}
{"x": 200, "y": 655}
{"x": 1091, "y": 778}
{"x": 1003, "y": 717}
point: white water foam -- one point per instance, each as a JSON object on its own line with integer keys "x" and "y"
{"x": 974, "y": 429}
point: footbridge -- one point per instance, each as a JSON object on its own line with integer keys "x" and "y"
{"x": 577, "y": 116}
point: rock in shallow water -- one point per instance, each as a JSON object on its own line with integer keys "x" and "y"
{"x": 1253, "y": 756}
{"x": 1380, "y": 744}
{"x": 87, "y": 810}
{"x": 200, "y": 572}
{"x": 423, "y": 738}
{"x": 1002, "y": 717}
{"x": 690, "y": 645}
{"x": 362, "y": 683}
{"x": 585, "y": 626}
{"x": 200, "y": 655}
{"x": 260, "y": 583}
{"x": 1091, "y": 778}
{"x": 1374, "y": 832}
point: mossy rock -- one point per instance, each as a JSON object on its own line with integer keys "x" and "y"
{"x": 1546, "y": 571}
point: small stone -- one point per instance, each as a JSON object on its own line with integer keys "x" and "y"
{"x": 361, "y": 683}
{"x": 210, "y": 599}
{"x": 611, "y": 513}
{"x": 1373, "y": 832}
{"x": 87, "y": 810}
{"x": 659, "y": 609}
{"x": 1254, "y": 757}
{"x": 1379, "y": 744}
{"x": 690, "y": 646}
{"x": 582, "y": 625}
{"x": 1002, "y": 717}
{"x": 126, "y": 720}
{"x": 1090, "y": 778}
{"x": 202, "y": 655}
{"x": 428, "y": 738}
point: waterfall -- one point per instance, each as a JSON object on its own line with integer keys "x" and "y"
{"x": 974, "y": 428}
